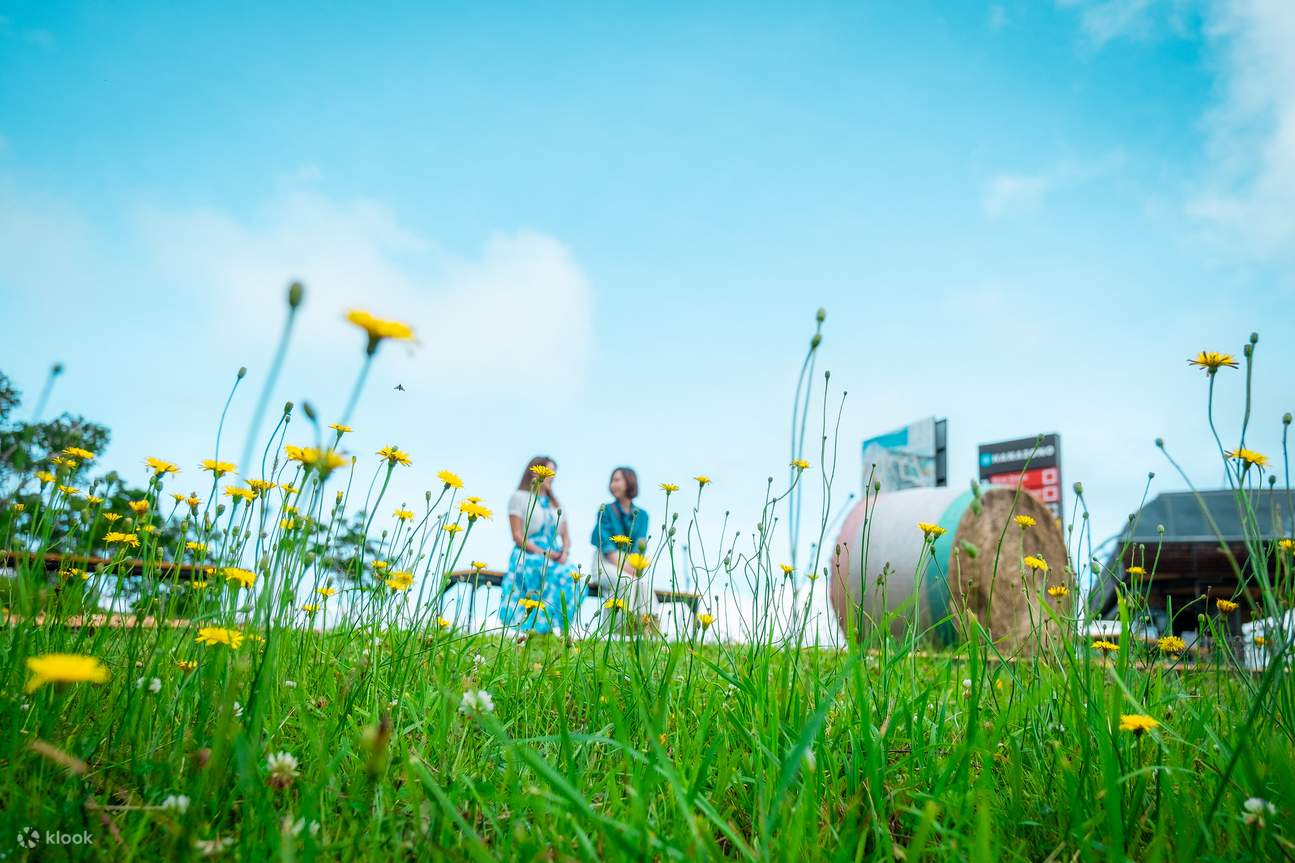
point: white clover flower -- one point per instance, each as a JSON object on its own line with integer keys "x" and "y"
{"x": 1256, "y": 809}
{"x": 154, "y": 684}
{"x": 282, "y": 763}
{"x": 296, "y": 828}
{"x": 476, "y": 701}
{"x": 966, "y": 683}
{"x": 213, "y": 846}
{"x": 238, "y": 710}
{"x": 289, "y": 684}
{"x": 478, "y": 660}
{"x": 178, "y": 803}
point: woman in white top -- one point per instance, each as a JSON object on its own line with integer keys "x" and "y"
{"x": 539, "y": 592}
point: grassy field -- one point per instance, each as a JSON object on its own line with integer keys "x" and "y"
{"x": 230, "y": 726}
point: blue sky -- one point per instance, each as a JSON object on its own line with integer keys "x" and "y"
{"x": 612, "y": 224}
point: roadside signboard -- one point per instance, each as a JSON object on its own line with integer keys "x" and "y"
{"x": 911, "y": 457}
{"x": 1037, "y": 468}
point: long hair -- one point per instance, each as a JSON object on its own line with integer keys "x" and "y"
{"x": 528, "y": 478}
{"x": 631, "y": 481}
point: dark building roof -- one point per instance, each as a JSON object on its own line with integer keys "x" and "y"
{"x": 1196, "y": 527}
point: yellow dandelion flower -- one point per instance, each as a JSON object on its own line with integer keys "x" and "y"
{"x": 244, "y": 577}
{"x": 64, "y": 668}
{"x": 148, "y": 528}
{"x": 186, "y": 664}
{"x": 1260, "y": 641}
{"x": 161, "y": 466}
{"x": 1137, "y": 723}
{"x": 403, "y": 514}
{"x": 702, "y": 480}
{"x": 1036, "y": 563}
{"x": 380, "y": 564}
{"x": 1212, "y": 361}
{"x": 289, "y": 489}
{"x": 378, "y": 329}
{"x": 543, "y": 471}
{"x": 1057, "y": 591}
{"x": 1105, "y": 646}
{"x": 400, "y": 580}
{"x": 620, "y": 539}
{"x": 1136, "y": 570}
{"x": 474, "y": 510}
{"x": 576, "y": 574}
{"x": 705, "y": 619}
{"x": 78, "y": 452}
{"x": 110, "y": 517}
{"x": 198, "y": 585}
{"x": 531, "y": 604}
{"x": 116, "y": 538}
{"x": 214, "y": 635}
{"x": 340, "y": 429}
{"x": 195, "y": 546}
{"x": 787, "y": 568}
{"x": 259, "y": 485}
{"x": 931, "y": 531}
{"x": 310, "y": 608}
{"x": 1171, "y": 644}
{"x": 139, "y": 507}
{"x": 93, "y": 500}
{"x": 450, "y": 478}
{"x": 241, "y": 493}
{"x": 1226, "y": 606}
{"x": 326, "y": 591}
{"x": 218, "y": 468}
{"x": 478, "y": 565}
{"x": 395, "y": 455}
{"x": 1024, "y": 521}
{"x": 638, "y": 562}
{"x": 193, "y": 501}
{"x": 442, "y": 622}
{"x": 44, "y": 476}
{"x": 453, "y": 528}
{"x": 1249, "y": 457}
{"x": 615, "y": 604}
{"x": 286, "y": 524}
{"x": 63, "y": 462}
{"x": 70, "y": 491}
{"x": 669, "y": 487}
{"x": 800, "y": 464}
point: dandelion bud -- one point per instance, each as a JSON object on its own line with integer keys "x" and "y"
{"x": 56, "y": 370}
{"x": 815, "y": 341}
{"x": 242, "y": 372}
{"x": 1248, "y": 350}
{"x": 1254, "y": 338}
{"x": 1160, "y": 443}
{"x": 287, "y": 408}
{"x": 1286, "y": 418}
{"x": 427, "y": 496}
{"x": 309, "y": 410}
{"x": 1079, "y": 488}
{"x": 220, "y": 509}
{"x": 296, "y": 291}
{"x": 1272, "y": 480}
{"x": 876, "y": 485}
{"x": 1151, "y": 474}
{"x": 374, "y": 742}
{"x": 339, "y": 495}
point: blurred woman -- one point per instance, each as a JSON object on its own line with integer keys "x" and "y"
{"x": 620, "y": 530}
{"x": 539, "y": 594}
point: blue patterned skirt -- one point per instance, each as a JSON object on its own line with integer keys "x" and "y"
{"x": 534, "y": 578}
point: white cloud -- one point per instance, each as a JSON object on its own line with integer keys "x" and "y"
{"x": 1104, "y": 20}
{"x": 515, "y": 314}
{"x": 1251, "y": 191}
{"x": 1008, "y": 194}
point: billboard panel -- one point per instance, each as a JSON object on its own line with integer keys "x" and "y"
{"x": 910, "y": 457}
{"x": 1038, "y": 469}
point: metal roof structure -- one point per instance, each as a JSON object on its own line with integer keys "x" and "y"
{"x": 1189, "y": 556}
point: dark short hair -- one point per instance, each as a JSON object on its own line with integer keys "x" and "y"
{"x": 631, "y": 481}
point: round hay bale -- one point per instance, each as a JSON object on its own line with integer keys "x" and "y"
{"x": 966, "y": 574}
